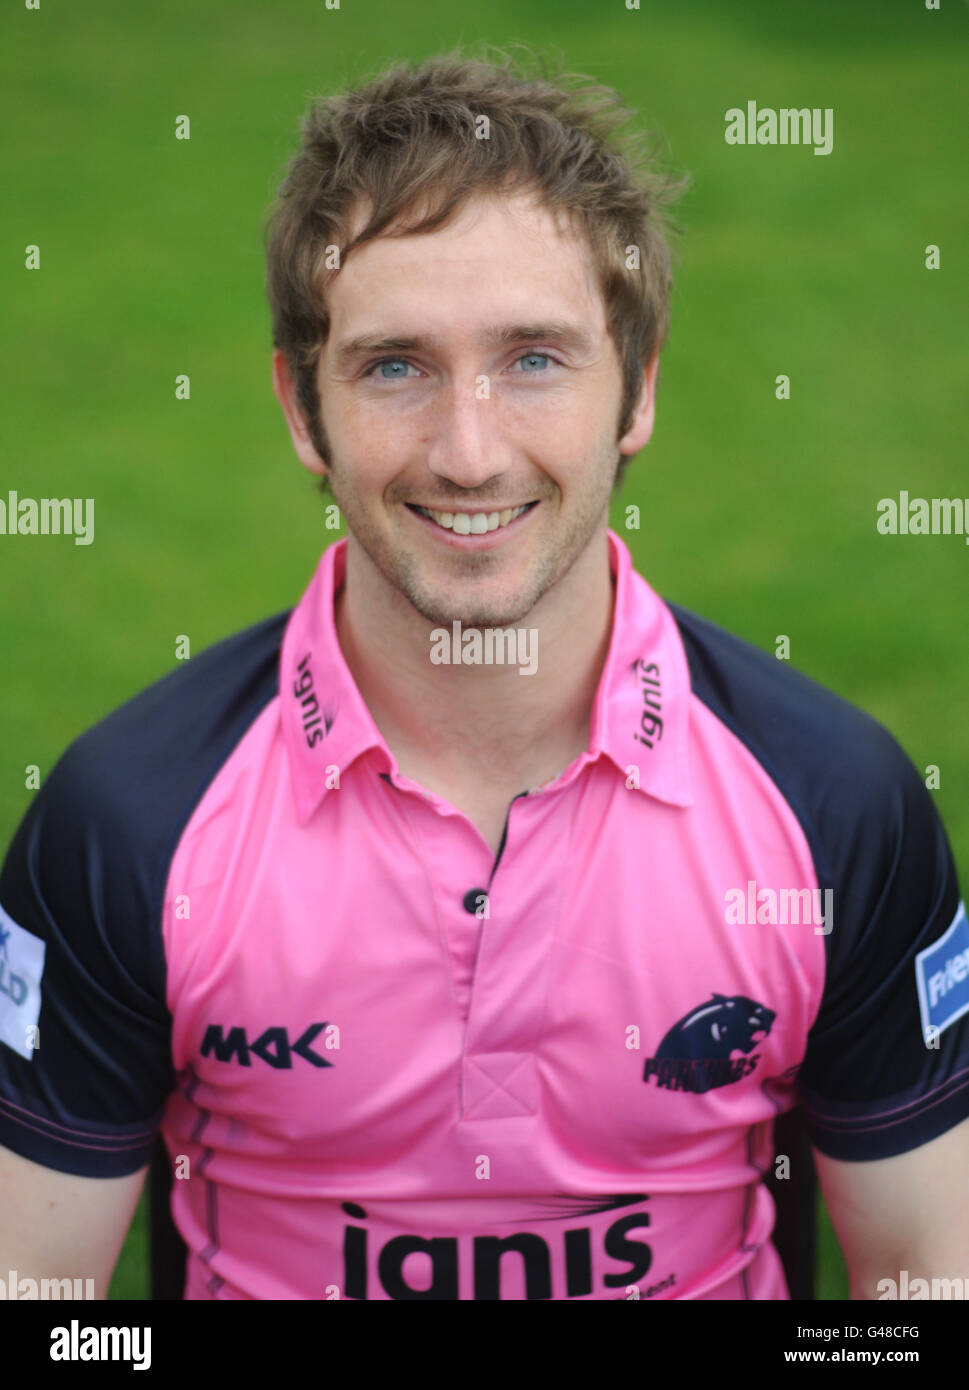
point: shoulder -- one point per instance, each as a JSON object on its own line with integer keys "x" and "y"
{"x": 141, "y": 759}
{"x": 839, "y": 769}
{"x": 870, "y": 822}
{"x": 97, "y": 838}
{"x": 871, "y": 1084}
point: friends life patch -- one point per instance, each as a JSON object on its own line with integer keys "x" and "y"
{"x": 21, "y": 970}
{"x": 942, "y": 978}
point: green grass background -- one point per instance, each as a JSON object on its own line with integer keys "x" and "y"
{"x": 757, "y": 513}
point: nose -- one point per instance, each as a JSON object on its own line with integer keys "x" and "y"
{"x": 467, "y": 444}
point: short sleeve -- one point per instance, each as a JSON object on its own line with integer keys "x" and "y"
{"x": 85, "y": 1065}
{"x": 887, "y": 1063}
{"x": 85, "y": 1029}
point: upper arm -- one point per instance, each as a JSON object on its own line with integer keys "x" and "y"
{"x": 85, "y": 1034}
{"x": 885, "y": 1078}
{"x": 56, "y": 1225}
{"x": 886, "y": 1064}
{"x": 906, "y": 1212}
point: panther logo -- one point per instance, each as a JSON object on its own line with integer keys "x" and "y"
{"x": 697, "y": 1052}
{"x": 717, "y": 1028}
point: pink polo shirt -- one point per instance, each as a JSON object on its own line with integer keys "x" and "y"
{"x": 387, "y": 1064}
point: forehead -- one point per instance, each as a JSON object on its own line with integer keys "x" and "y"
{"x": 498, "y": 255}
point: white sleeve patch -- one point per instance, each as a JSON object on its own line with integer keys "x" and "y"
{"x": 942, "y": 977}
{"x": 21, "y": 969}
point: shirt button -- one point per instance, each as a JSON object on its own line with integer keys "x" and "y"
{"x": 472, "y": 898}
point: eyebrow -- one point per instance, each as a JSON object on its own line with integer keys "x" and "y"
{"x": 563, "y": 333}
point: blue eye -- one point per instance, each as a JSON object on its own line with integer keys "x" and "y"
{"x": 398, "y": 368}
{"x": 390, "y": 362}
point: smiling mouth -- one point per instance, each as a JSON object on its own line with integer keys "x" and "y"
{"x": 472, "y": 523}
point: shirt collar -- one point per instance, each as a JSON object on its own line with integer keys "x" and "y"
{"x": 641, "y": 711}
{"x": 640, "y": 714}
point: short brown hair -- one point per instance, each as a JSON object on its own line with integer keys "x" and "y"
{"x": 407, "y": 146}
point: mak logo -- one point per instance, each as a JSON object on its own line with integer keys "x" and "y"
{"x": 697, "y": 1052}
{"x": 272, "y": 1046}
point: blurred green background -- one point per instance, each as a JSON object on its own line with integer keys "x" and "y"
{"x": 757, "y": 513}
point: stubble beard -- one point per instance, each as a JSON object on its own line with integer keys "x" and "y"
{"x": 402, "y": 569}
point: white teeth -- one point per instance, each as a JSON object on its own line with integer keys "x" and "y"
{"x": 473, "y": 523}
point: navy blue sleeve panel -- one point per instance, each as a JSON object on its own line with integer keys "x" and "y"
{"x": 886, "y": 1067}
{"x": 85, "y": 878}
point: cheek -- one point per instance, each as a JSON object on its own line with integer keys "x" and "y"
{"x": 373, "y": 424}
{"x": 368, "y": 444}
{"x": 561, "y": 422}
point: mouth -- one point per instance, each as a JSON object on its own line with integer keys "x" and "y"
{"x": 475, "y": 530}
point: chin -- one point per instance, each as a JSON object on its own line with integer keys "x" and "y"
{"x": 474, "y": 618}
{"x": 507, "y": 613}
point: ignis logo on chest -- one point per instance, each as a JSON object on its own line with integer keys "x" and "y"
{"x": 490, "y": 1257}
{"x": 315, "y": 726}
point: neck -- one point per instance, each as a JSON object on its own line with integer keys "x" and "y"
{"x": 483, "y": 719}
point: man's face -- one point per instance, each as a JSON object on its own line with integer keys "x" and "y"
{"x": 469, "y": 370}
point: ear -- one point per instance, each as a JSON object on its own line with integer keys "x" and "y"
{"x": 639, "y": 432}
{"x": 285, "y": 392}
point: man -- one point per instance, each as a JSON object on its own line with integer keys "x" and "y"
{"x": 455, "y": 979}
